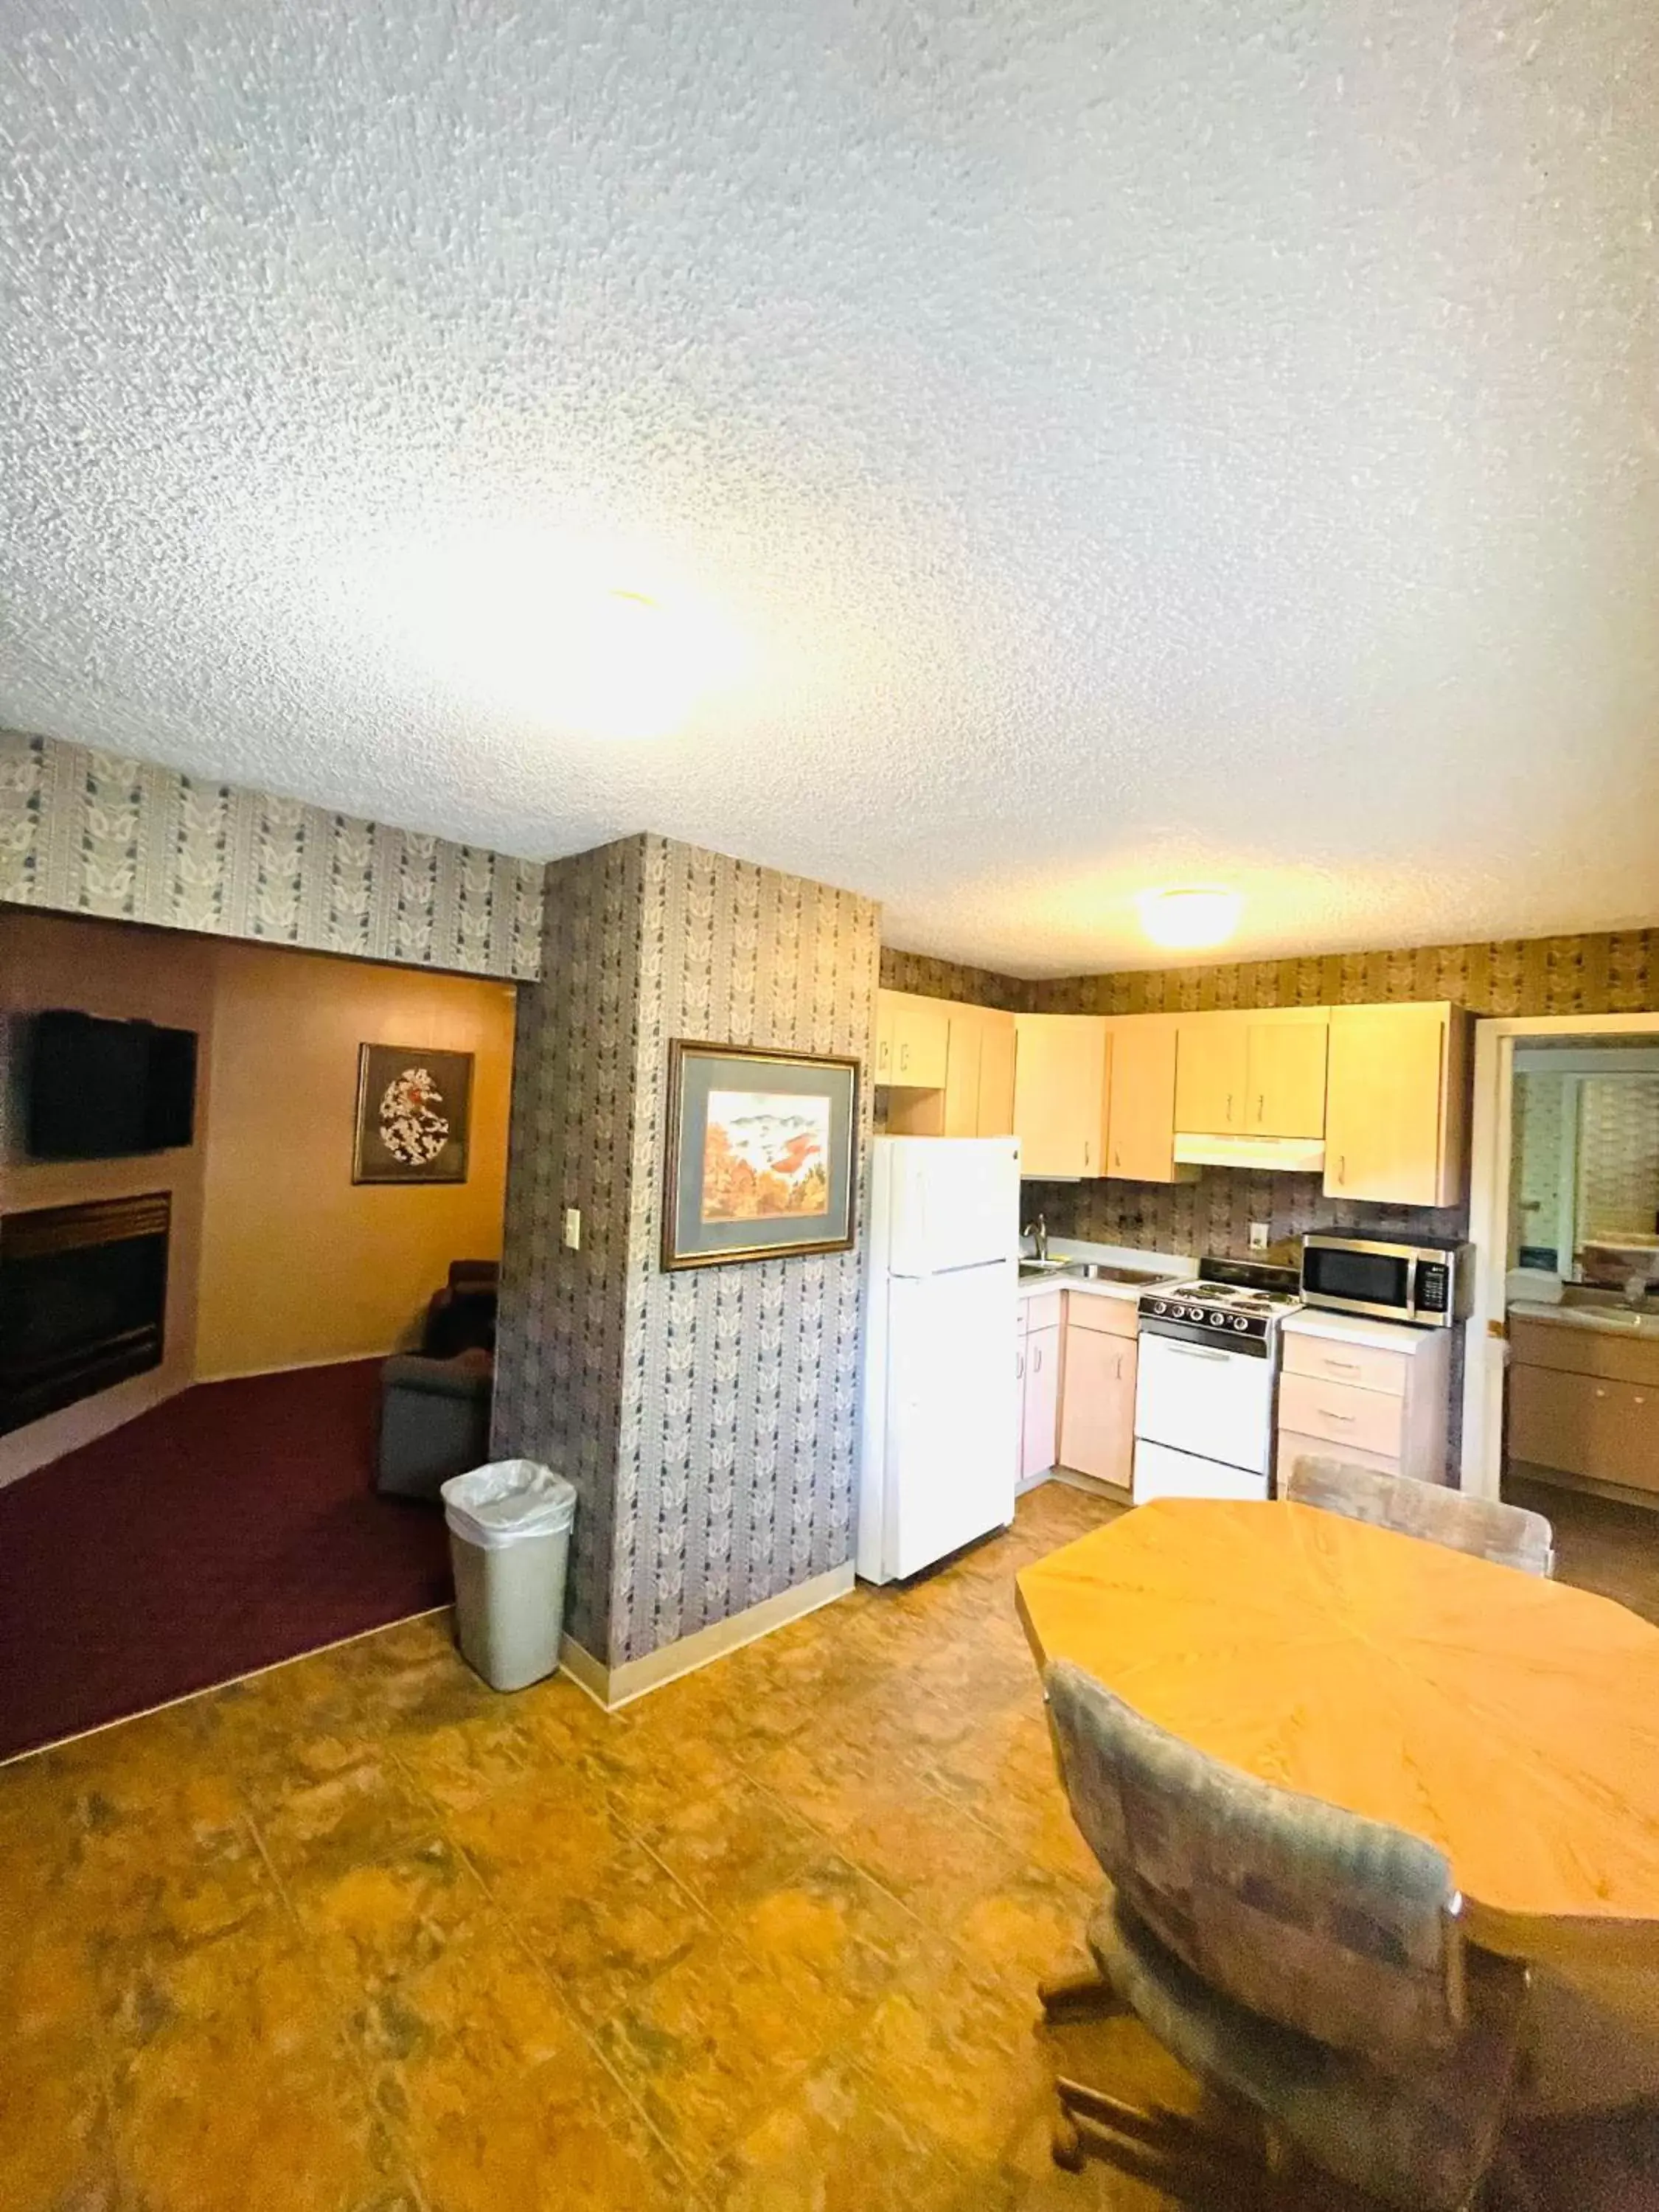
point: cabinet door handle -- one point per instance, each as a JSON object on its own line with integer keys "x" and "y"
{"x": 904, "y": 1055}
{"x": 1343, "y": 1366}
{"x": 1036, "y": 1361}
{"x": 1085, "y": 1152}
{"x": 1342, "y": 1167}
{"x": 1326, "y": 1415}
{"x": 1019, "y": 1367}
{"x": 1229, "y": 1110}
{"x": 1117, "y": 1372}
{"x": 1117, "y": 1159}
{"x": 1260, "y": 1105}
{"x": 1600, "y": 1393}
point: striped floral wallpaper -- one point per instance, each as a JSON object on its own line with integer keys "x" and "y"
{"x": 87, "y": 832}
{"x": 559, "y": 1350}
{"x": 709, "y": 1416}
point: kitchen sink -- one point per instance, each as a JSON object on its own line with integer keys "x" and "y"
{"x": 1030, "y": 1268}
{"x": 1102, "y": 1270}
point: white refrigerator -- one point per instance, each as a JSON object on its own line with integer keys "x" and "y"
{"x": 940, "y": 1415}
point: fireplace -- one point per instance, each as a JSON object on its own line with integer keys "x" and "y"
{"x": 83, "y": 1292}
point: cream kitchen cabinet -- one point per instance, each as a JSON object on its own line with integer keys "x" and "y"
{"x": 1285, "y": 1076}
{"x": 1037, "y": 1370}
{"x": 1260, "y": 1075}
{"x": 1140, "y": 1092}
{"x": 912, "y": 1040}
{"x": 1584, "y": 1403}
{"x": 1376, "y": 1394}
{"x": 1059, "y": 1093}
{"x": 1395, "y": 1109}
{"x": 1097, "y": 1388}
{"x": 979, "y": 1077}
{"x": 976, "y": 1098}
{"x": 1211, "y": 1074}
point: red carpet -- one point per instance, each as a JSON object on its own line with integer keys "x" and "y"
{"x": 233, "y": 1527}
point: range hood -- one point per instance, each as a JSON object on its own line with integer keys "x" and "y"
{"x": 1284, "y": 1155}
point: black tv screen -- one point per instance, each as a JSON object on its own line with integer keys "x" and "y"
{"x": 98, "y": 1089}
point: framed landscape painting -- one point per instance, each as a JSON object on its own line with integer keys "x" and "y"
{"x": 760, "y": 1156}
{"x": 413, "y": 1112}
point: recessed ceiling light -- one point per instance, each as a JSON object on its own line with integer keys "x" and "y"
{"x": 1188, "y": 919}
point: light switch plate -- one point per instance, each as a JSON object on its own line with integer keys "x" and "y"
{"x": 573, "y": 1228}
{"x": 1259, "y": 1236}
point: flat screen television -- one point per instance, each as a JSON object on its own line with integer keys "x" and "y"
{"x": 100, "y": 1090}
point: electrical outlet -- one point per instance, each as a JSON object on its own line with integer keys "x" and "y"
{"x": 573, "y": 1228}
{"x": 1259, "y": 1236}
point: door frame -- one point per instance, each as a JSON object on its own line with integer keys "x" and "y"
{"x": 1481, "y": 1463}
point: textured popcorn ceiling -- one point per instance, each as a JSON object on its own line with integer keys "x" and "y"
{"x": 1126, "y": 441}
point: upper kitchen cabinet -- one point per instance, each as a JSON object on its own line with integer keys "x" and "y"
{"x": 1140, "y": 1096}
{"x": 1252, "y": 1077}
{"x": 1395, "y": 1112}
{"x": 977, "y": 1095}
{"x": 1212, "y": 1073}
{"x": 1284, "y": 1075}
{"x": 1059, "y": 1093}
{"x": 912, "y": 1040}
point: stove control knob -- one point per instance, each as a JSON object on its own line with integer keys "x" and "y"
{"x": 1217, "y": 1320}
{"x": 1240, "y": 1322}
{"x": 1160, "y": 1305}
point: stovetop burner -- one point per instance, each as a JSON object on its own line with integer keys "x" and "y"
{"x": 1228, "y": 1301}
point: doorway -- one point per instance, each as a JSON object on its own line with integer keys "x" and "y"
{"x": 1562, "y": 1233}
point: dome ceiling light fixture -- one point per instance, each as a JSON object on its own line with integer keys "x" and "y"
{"x": 1189, "y": 918}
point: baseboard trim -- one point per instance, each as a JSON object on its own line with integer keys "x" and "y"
{"x": 1094, "y": 1485}
{"x": 613, "y": 1687}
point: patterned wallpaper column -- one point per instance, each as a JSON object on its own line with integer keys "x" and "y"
{"x": 708, "y": 1417}
{"x": 560, "y": 1339}
{"x": 86, "y": 832}
{"x": 740, "y": 1399}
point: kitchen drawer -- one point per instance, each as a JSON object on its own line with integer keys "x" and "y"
{"x": 1366, "y": 1366}
{"x": 1585, "y": 1350}
{"x": 1371, "y": 1420}
{"x": 1106, "y": 1316}
{"x": 1585, "y": 1425}
{"x": 1293, "y": 1447}
{"x": 1042, "y": 1309}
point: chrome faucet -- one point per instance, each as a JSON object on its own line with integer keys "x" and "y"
{"x": 1037, "y": 1231}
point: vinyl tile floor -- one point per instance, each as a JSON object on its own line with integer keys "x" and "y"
{"x": 360, "y": 1935}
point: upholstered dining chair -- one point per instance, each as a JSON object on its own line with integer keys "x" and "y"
{"x": 1306, "y": 1964}
{"x": 1509, "y": 1534}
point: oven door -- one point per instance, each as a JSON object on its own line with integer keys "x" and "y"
{"x": 1359, "y": 1278}
{"x": 1209, "y": 1403}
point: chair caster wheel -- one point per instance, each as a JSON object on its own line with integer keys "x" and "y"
{"x": 1067, "y": 2145}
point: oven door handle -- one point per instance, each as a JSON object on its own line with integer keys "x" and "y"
{"x": 1195, "y": 1351}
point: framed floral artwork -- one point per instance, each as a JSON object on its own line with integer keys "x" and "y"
{"x": 414, "y": 1114}
{"x": 760, "y": 1155}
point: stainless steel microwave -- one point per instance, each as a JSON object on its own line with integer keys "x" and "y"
{"x": 1425, "y": 1279}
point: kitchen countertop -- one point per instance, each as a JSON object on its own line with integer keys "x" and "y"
{"x": 1358, "y": 1328}
{"x": 1607, "y": 1320}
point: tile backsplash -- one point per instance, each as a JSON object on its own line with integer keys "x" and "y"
{"x": 1213, "y": 1215}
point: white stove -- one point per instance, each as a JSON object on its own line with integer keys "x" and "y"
{"x": 1207, "y": 1371}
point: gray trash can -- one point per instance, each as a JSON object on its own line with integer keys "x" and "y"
{"x": 509, "y": 1540}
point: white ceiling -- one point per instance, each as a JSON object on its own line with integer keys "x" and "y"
{"x": 1132, "y": 442}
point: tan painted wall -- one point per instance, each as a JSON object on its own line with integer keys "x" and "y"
{"x": 125, "y": 972}
{"x": 300, "y": 1265}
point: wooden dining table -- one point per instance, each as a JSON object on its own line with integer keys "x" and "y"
{"x": 1511, "y": 1721}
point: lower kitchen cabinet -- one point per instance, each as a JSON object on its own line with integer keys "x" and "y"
{"x": 1098, "y": 1404}
{"x": 1039, "y": 1402}
{"x": 1584, "y": 1403}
